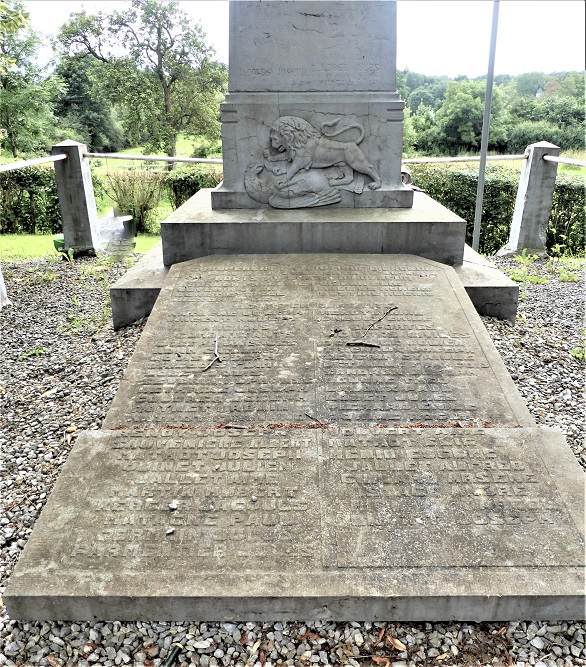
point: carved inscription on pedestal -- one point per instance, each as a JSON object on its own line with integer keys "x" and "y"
{"x": 238, "y": 497}
{"x": 286, "y": 502}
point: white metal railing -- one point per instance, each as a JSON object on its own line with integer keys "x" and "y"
{"x": 31, "y": 163}
{"x": 564, "y": 160}
{"x": 154, "y": 158}
{"x": 472, "y": 158}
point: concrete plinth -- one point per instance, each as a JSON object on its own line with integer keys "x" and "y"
{"x": 134, "y": 295}
{"x": 428, "y": 229}
{"x": 492, "y": 293}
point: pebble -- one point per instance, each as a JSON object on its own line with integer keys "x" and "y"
{"x": 42, "y": 398}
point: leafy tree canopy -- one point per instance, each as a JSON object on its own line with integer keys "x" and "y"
{"x": 156, "y": 67}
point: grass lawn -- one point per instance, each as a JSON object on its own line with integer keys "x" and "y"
{"x": 25, "y": 246}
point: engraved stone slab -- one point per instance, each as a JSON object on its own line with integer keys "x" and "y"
{"x": 299, "y": 523}
{"x": 337, "y": 339}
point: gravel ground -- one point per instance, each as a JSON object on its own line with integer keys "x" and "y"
{"x": 61, "y": 363}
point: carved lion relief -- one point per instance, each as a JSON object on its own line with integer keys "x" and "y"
{"x": 304, "y": 167}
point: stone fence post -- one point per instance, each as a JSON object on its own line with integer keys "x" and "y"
{"x": 533, "y": 203}
{"x": 76, "y": 199}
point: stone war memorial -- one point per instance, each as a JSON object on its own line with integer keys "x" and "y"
{"x": 315, "y": 423}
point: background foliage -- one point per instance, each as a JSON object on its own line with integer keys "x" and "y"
{"x": 454, "y": 186}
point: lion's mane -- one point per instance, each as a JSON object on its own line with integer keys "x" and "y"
{"x": 296, "y": 133}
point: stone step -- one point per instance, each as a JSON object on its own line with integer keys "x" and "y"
{"x": 316, "y": 524}
{"x": 135, "y": 293}
{"x": 428, "y": 229}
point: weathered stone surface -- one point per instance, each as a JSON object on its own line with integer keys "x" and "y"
{"x": 331, "y": 66}
{"x": 77, "y": 203}
{"x": 133, "y": 296}
{"x": 343, "y": 523}
{"x": 283, "y": 324}
{"x": 313, "y": 45}
{"x": 427, "y": 229}
{"x": 492, "y": 292}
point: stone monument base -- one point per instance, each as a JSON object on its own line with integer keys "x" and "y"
{"x": 311, "y": 437}
{"x": 428, "y": 229}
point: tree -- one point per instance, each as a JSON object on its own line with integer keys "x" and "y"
{"x": 82, "y": 112}
{"x": 157, "y": 67}
{"x": 25, "y": 95}
{"x": 460, "y": 117}
{"x": 420, "y": 96}
{"x": 12, "y": 19}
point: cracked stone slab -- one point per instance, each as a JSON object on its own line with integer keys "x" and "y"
{"x": 316, "y": 523}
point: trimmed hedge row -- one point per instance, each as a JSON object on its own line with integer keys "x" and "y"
{"x": 29, "y": 203}
{"x": 454, "y": 186}
{"x": 182, "y": 185}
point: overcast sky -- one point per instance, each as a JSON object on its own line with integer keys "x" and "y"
{"x": 448, "y": 37}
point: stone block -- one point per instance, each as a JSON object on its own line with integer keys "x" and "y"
{"x": 315, "y": 524}
{"x": 312, "y": 117}
{"x": 133, "y": 296}
{"x": 492, "y": 292}
{"x": 325, "y": 437}
{"x": 427, "y": 229}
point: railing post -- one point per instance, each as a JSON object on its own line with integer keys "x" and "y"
{"x": 533, "y": 203}
{"x": 76, "y": 199}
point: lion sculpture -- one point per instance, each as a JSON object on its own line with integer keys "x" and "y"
{"x": 303, "y": 147}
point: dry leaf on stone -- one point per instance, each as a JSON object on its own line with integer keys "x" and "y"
{"x": 261, "y": 657}
{"x": 501, "y": 632}
{"x": 385, "y": 662}
{"x": 255, "y": 647}
{"x": 397, "y": 643}
{"x": 379, "y": 639}
{"x": 148, "y": 663}
{"x": 443, "y": 656}
{"x": 71, "y": 429}
{"x": 51, "y": 659}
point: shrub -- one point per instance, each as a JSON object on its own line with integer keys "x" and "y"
{"x": 28, "y": 202}
{"x": 183, "y": 184}
{"x": 136, "y": 192}
{"x": 454, "y": 186}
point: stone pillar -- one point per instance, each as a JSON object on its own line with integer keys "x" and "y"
{"x": 533, "y": 203}
{"x": 76, "y": 199}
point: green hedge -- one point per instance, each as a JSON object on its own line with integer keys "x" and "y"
{"x": 28, "y": 201}
{"x": 183, "y": 184}
{"x": 454, "y": 186}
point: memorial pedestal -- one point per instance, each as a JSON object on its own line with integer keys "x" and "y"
{"x": 427, "y": 229}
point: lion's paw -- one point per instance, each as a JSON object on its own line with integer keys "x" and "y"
{"x": 375, "y": 185}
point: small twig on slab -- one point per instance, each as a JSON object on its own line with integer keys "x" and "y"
{"x": 315, "y": 419}
{"x": 380, "y": 319}
{"x": 361, "y": 343}
{"x": 234, "y": 426}
{"x": 216, "y": 357}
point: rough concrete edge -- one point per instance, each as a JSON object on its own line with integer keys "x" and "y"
{"x": 134, "y": 294}
{"x": 492, "y": 293}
